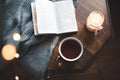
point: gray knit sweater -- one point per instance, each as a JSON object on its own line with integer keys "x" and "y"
{"x": 35, "y": 51}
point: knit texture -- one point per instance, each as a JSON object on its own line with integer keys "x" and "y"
{"x": 35, "y": 51}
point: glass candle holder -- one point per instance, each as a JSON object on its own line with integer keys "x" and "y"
{"x": 95, "y": 21}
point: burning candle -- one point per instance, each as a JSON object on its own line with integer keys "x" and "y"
{"x": 95, "y": 21}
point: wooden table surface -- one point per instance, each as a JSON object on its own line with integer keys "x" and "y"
{"x": 92, "y": 44}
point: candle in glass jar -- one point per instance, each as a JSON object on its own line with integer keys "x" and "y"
{"x": 95, "y": 21}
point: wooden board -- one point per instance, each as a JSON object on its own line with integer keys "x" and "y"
{"x": 92, "y": 44}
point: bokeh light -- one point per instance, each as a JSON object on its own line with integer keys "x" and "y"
{"x": 17, "y": 55}
{"x": 16, "y": 36}
{"x": 16, "y": 78}
{"x": 8, "y": 52}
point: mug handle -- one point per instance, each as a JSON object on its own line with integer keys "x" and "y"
{"x": 98, "y": 28}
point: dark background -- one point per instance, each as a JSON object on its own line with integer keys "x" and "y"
{"x": 105, "y": 66}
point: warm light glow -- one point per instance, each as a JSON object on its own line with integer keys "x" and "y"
{"x": 48, "y": 77}
{"x": 52, "y": 47}
{"x": 8, "y": 51}
{"x": 17, "y": 55}
{"x": 59, "y": 64}
{"x": 95, "y": 21}
{"x": 95, "y": 18}
{"x": 16, "y": 36}
{"x": 16, "y": 78}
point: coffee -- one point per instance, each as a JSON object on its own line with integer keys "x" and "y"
{"x": 70, "y": 49}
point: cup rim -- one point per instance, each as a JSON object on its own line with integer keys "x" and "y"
{"x": 75, "y": 39}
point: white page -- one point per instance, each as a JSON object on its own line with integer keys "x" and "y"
{"x": 34, "y": 18}
{"x": 65, "y": 14}
{"x": 46, "y": 17}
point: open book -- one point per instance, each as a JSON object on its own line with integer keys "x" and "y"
{"x": 53, "y": 17}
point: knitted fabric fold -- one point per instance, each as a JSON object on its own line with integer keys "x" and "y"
{"x": 35, "y": 51}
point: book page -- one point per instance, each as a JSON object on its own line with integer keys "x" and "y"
{"x": 65, "y": 14}
{"x": 34, "y": 18}
{"x": 46, "y": 17}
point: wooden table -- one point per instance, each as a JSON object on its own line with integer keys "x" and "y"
{"x": 92, "y": 44}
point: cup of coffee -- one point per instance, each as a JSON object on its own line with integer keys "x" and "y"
{"x": 71, "y": 49}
